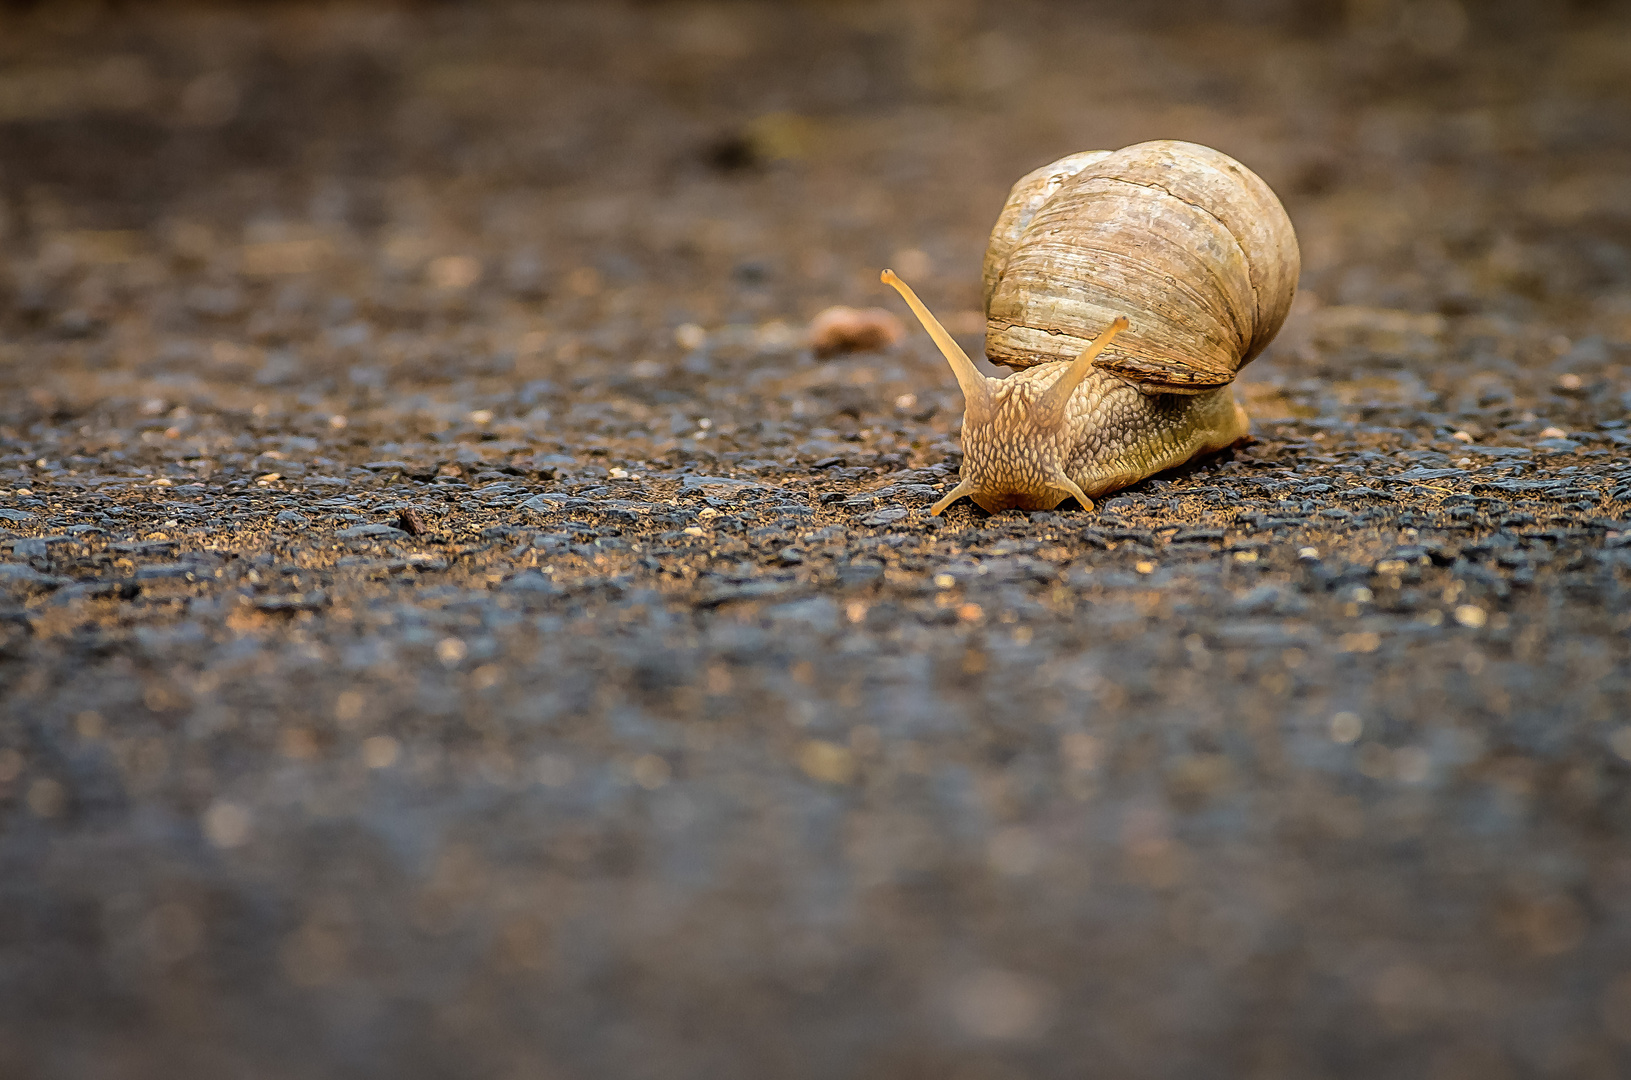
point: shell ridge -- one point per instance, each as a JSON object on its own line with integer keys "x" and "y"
{"x": 1195, "y": 302}
{"x": 1043, "y": 231}
{"x": 1257, "y": 295}
{"x": 1213, "y": 294}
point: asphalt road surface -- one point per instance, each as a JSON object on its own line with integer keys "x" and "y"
{"x": 451, "y": 625}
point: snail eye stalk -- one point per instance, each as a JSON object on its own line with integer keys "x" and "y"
{"x": 1049, "y": 409}
{"x": 976, "y": 394}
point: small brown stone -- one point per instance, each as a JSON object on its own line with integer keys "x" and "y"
{"x": 845, "y": 329}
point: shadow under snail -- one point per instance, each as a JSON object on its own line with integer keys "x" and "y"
{"x": 1127, "y": 288}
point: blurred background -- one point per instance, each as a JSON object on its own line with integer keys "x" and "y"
{"x": 567, "y": 184}
{"x": 347, "y": 231}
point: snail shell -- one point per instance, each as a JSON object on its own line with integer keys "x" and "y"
{"x": 1128, "y": 288}
{"x": 1187, "y": 243}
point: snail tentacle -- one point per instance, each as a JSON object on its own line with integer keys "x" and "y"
{"x": 1071, "y": 486}
{"x": 964, "y": 486}
{"x": 976, "y": 394}
{"x": 1049, "y": 409}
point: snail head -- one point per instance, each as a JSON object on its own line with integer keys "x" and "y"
{"x": 1016, "y": 432}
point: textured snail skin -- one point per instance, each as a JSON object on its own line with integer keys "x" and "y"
{"x": 1113, "y": 435}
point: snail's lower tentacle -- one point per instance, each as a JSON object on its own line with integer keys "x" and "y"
{"x": 1061, "y": 480}
{"x": 964, "y": 487}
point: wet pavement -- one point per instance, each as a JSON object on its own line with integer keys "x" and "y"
{"x": 451, "y": 623}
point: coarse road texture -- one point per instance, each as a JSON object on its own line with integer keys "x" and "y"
{"x": 452, "y": 626}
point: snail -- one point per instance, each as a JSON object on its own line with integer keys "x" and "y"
{"x": 1127, "y": 288}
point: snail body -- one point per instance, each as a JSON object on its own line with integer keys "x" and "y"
{"x": 1127, "y": 289}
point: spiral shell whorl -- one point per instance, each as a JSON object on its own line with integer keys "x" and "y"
{"x": 1189, "y": 244}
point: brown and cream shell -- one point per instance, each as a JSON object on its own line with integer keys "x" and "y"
{"x": 1192, "y": 247}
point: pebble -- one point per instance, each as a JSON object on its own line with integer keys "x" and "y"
{"x": 840, "y": 329}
